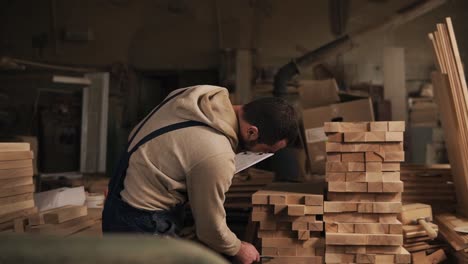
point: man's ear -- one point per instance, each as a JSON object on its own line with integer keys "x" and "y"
{"x": 252, "y": 133}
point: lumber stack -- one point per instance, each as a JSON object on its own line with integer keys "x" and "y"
{"x": 448, "y": 226}
{"x": 451, "y": 93}
{"x": 62, "y": 221}
{"x": 364, "y": 193}
{"x": 16, "y": 183}
{"x": 429, "y": 184}
{"x": 289, "y": 228}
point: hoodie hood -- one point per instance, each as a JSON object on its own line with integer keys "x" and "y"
{"x": 210, "y": 105}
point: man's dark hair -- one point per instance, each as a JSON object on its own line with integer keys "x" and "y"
{"x": 275, "y": 119}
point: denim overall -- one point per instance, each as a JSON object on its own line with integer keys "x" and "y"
{"x": 120, "y": 217}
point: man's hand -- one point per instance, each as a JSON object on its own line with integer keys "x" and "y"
{"x": 247, "y": 254}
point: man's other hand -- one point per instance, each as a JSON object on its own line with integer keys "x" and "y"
{"x": 247, "y": 254}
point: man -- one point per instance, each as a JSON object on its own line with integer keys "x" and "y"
{"x": 185, "y": 149}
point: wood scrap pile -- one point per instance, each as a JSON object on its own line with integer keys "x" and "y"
{"x": 62, "y": 221}
{"x": 16, "y": 183}
{"x": 455, "y": 230}
{"x": 289, "y": 227}
{"x": 451, "y": 93}
{"x": 429, "y": 184}
{"x": 364, "y": 193}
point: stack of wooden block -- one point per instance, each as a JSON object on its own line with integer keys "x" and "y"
{"x": 289, "y": 229}
{"x": 364, "y": 193}
{"x": 63, "y": 221}
{"x": 416, "y": 239}
{"x": 16, "y": 183}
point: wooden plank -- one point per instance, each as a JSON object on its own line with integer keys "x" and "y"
{"x": 5, "y": 192}
{"x": 16, "y": 198}
{"x": 63, "y": 229}
{"x": 14, "y": 173}
{"x": 18, "y": 206}
{"x": 15, "y": 182}
{"x": 17, "y": 214}
{"x": 15, "y": 164}
{"x": 14, "y": 146}
{"x": 64, "y": 214}
{"x": 16, "y": 155}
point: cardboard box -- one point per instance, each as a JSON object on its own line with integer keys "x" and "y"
{"x": 316, "y": 93}
{"x": 313, "y": 119}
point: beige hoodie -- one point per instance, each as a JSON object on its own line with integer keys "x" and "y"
{"x": 196, "y": 161}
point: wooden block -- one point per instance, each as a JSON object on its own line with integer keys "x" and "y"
{"x": 269, "y": 251}
{"x": 337, "y": 186}
{"x": 300, "y": 226}
{"x": 378, "y": 126}
{"x": 356, "y": 177}
{"x": 303, "y": 234}
{"x": 398, "y": 126}
{"x": 335, "y": 176}
{"x": 420, "y": 257}
{"x": 315, "y": 226}
{"x": 17, "y": 214}
{"x": 256, "y": 217}
{"x": 383, "y": 208}
{"x": 16, "y": 182}
{"x": 354, "y": 126}
{"x": 390, "y": 166}
{"x": 392, "y": 186}
{"x": 304, "y": 252}
{"x": 14, "y": 146}
{"x": 279, "y": 242}
{"x": 16, "y": 155}
{"x": 356, "y": 166}
{"x": 277, "y": 199}
{"x": 276, "y": 233}
{"x": 295, "y": 199}
{"x": 16, "y": 198}
{"x": 373, "y": 166}
{"x": 339, "y": 258}
{"x": 354, "y": 157}
{"x": 367, "y": 147}
{"x": 374, "y": 176}
{"x": 280, "y": 208}
{"x": 375, "y": 187}
{"x": 334, "y": 157}
{"x": 384, "y": 259}
{"x": 396, "y": 156}
{"x": 365, "y": 208}
{"x": 296, "y": 210}
{"x": 261, "y": 208}
{"x": 17, "y": 206}
{"x": 335, "y": 137}
{"x": 356, "y": 186}
{"x": 64, "y": 229}
{"x": 392, "y": 176}
{"x": 331, "y": 227}
{"x": 395, "y": 228}
{"x": 355, "y": 137}
{"x": 338, "y": 207}
{"x": 268, "y": 224}
{"x": 375, "y": 156}
{"x": 351, "y": 197}
{"x": 384, "y": 240}
{"x": 259, "y": 198}
{"x": 351, "y": 218}
{"x": 19, "y": 224}
{"x": 345, "y": 228}
{"x": 388, "y": 197}
{"x": 313, "y": 199}
{"x": 403, "y": 256}
{"x": 393, "y": 136}
{"x": 331, "y": 127}
{"x": 368, "y": 258}
{"x": 333, "y": 147}
{"x": 15, "y": 164}
{"x": 391, "y": 147}
{"x": 376, "y": 136}
{"x": 15, "y": 173}
{"x": 348, "y": 147}
{"x": 337, "y": 167}
{"x": 313, "y": 209}
{"x": 371, "y": 228}
{"x": 388, "y": 219}
{"x": 345, "y": 239}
